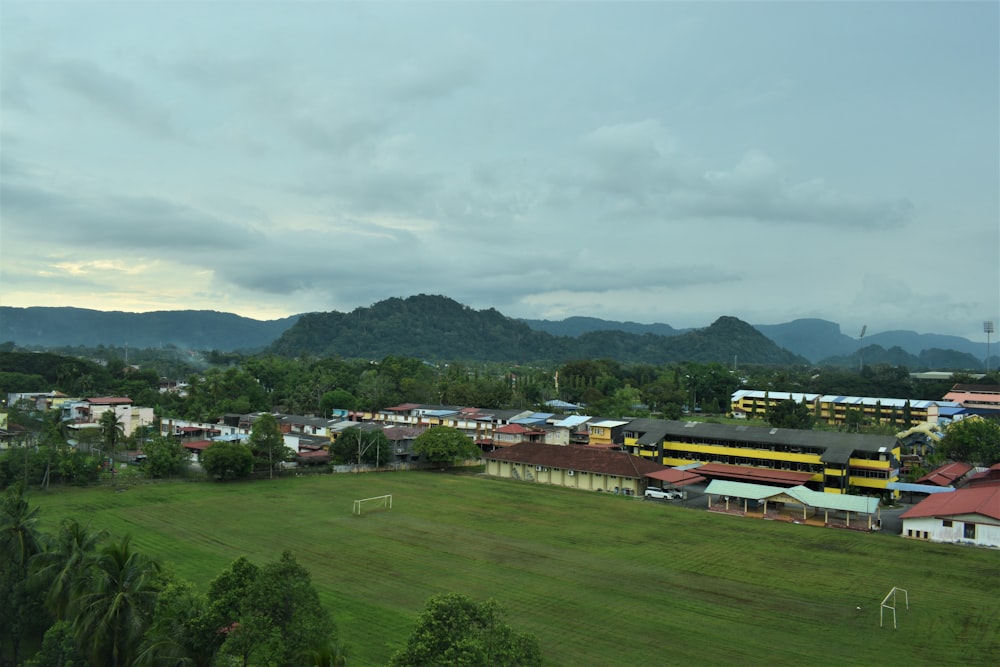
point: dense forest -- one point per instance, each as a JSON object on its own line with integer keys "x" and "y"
{"x": 215, "y": 383}
{"x": 436, "y": 328}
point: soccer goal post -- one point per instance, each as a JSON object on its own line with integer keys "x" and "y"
{"x": 889, "y": 602}
{"x": 376, "y": 502}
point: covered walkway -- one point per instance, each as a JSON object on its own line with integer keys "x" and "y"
{"x": 797, "y": 504}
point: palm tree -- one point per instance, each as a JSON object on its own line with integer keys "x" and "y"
{"x": 20, "y": 614}
{"x": 112, "y": 431}
{"x": 19, "y": 537}
{"x": 60, "y": 568}
{"x": 116, "y": 603}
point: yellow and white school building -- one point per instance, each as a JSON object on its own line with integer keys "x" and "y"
{"x": 829, "y": 461}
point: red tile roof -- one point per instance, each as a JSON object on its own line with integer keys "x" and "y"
{"x": 109, "y": 400}
{"x": 584, "y": 459}
{"x": 514, "y": 429}
{"x": 746, "y": 473}
{"x": 979, "y": 500}
{"x": 677, "y": 477}
{"x": 200, "y": 445}
{"x": 946, "y": 474}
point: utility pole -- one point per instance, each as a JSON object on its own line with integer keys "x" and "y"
{"x": 988, "y": 329}
{"x": 861, "y": 340}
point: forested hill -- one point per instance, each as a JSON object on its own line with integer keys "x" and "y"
{"x": 438, "y": 328}
{"x": 196, "y": 329}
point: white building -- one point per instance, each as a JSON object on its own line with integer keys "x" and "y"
{"x": 965, "y": 516}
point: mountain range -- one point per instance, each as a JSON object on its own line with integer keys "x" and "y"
{"x": 439, "y": 328}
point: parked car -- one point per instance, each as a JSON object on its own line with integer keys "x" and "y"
{"x": 663, "y": 494}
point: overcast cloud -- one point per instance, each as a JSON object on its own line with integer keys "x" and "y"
{"x": 656, "y": 162}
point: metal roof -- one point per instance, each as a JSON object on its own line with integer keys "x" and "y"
{"x": 918, "y": 488}
{"x": 573, "y": 420}
{"x": 803, "y": 495}
{"x": 839, "y": 445}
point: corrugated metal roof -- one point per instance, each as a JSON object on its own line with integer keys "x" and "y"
{"x": 574, "y": 420}
{"x": 982, "y": 500}
{"x": 918, "y": 488}
{"x": 805, "y": 496}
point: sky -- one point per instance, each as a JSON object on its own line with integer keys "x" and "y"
{"x": 654, "y": 162}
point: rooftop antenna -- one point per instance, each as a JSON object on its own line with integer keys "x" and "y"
{"x": 861, "y": 340}
{"x": 988, "y": 329}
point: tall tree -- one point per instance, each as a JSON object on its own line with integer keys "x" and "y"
{"x": 973, "y": 439}
{"x": 116, "y": 604}
{"x": 270, "y": 615}
{"x": 445, "y": 445}
{"x": 22, "y": 617}
{"x": 267, "y": 443}
{"x": 789, "y": 414}
{"x": 61, "y": 566}
{"x": 112, "y": 431}
{"x": 456, "y": 631}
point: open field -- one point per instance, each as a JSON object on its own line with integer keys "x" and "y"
{"x": 601, "y": 580}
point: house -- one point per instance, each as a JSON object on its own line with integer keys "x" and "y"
{"x": 86, "y": 413}
{"x": 574, "y": 466}
{"x": 965, "y": 516}
{"x": 605, "y": 432}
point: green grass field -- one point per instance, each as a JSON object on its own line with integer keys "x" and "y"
{"x": 601, "y": 580}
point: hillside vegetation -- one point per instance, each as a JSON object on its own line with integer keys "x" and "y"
{"x": 438, "y": 328}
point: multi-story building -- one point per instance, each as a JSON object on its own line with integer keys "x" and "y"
{"x": 86, "y": 413}
{"x": 831, "y": 461}
{"x": 976, "y": 398}
{"x": 833, "y": 409}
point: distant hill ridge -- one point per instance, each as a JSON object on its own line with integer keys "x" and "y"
{"x": 437, "y": 327}
{"x": 190, "y": 329}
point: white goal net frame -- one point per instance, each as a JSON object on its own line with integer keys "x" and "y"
{"x": 375, "y": 502}
{"x": 891, "y": 605}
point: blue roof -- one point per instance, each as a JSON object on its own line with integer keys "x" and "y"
{"x": 918, "y": 488}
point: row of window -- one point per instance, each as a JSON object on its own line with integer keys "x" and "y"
{"x": 968, "y": 530}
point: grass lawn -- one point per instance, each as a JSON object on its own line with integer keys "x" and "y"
{"x": 601, "y": 580}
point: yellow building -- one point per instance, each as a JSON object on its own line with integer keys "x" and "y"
{"x": 833, "y": 462}
{"x": 833, "y": 409}
{"x": 575, "y": 466}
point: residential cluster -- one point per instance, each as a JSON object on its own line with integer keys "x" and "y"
{"x": 830, "y": 478}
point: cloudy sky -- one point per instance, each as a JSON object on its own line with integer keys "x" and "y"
{"x": 656, "y": 162}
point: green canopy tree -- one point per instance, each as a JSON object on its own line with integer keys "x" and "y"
{"x": 789, "y": 414}
{"x": 227, "y": 460}
{"x": 445, "y": 445}
{"x": 165, "y": 457}
{"x": 974, "y": 439}
{"x": 455, "y": 631}
{"x": 270, "y": 615}
{"x": 355, "y": 445}
{"x": 112, "y": 431}
{"x": 267, "y": 443}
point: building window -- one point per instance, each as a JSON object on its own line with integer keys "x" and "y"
{"x": 946, "y": 523}
{"x": 970, "y": 531}
{"x": 909, "y": 533}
